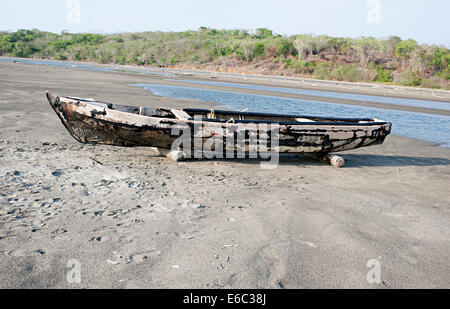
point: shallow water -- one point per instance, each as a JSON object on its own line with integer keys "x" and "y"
{"x": 78, "y": 66}
{"x": 428, "y": 127}
{"x": 331, "y": 95}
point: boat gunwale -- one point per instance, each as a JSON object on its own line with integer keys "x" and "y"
{"x": 360, "y": 122}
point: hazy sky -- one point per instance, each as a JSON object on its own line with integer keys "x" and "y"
{"x": 424, "y": 20}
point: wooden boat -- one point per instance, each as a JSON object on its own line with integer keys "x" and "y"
{"x": 93, "y": 122}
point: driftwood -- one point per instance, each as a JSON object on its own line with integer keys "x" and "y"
{"x": 179, "y": 156}
{"x": 175, "y": 155}
{"x": 334, "y": 160}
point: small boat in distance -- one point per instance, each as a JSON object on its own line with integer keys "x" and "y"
{"x": 92, "y": 122}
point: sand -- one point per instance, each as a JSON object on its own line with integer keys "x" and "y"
{"x": 135, "y": 220}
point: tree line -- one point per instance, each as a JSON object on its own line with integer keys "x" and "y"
{"x": 366, "y": 59}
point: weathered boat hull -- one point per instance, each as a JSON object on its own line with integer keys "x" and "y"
{"x": 131, "y": 126}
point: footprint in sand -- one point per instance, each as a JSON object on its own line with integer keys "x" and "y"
{"x": 137, "y": 258}
{"x": 57, "y": 173}
{"x": 144, "y": 257}
{"x": 99, "y": 239}
{"x": 24, "y": 253}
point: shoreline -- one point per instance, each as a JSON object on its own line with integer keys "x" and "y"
{"x": 376, "y": 89}
{"x": 163, "y": 81}
{"x": 433, "y": 111}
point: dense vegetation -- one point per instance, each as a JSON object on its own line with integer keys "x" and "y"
{"x": 391, "y": 60}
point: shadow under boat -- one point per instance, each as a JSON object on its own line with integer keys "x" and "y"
{"x": 361, "y": 160}
{"x": 352, "y": 160}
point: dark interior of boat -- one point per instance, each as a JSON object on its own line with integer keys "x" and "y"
{"x": 223, "y": 116}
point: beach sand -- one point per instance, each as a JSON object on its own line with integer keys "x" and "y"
{"x": 135, "y": 220}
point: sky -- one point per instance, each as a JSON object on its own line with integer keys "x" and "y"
{"x": 426, "y": 21}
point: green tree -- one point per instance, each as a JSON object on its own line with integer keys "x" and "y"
{"x": 262, "y": 33}
{"x": 259, "y": 50}
{"x": 404, "y": 48}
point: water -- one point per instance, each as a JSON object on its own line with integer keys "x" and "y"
{"x": 78, "y": 66}
{"x": 428, "y": 127}
{"x": 331, "y": 95}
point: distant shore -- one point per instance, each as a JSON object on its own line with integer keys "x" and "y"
{"x": 375, "y": 89}
{"x": 370, "y": 60}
